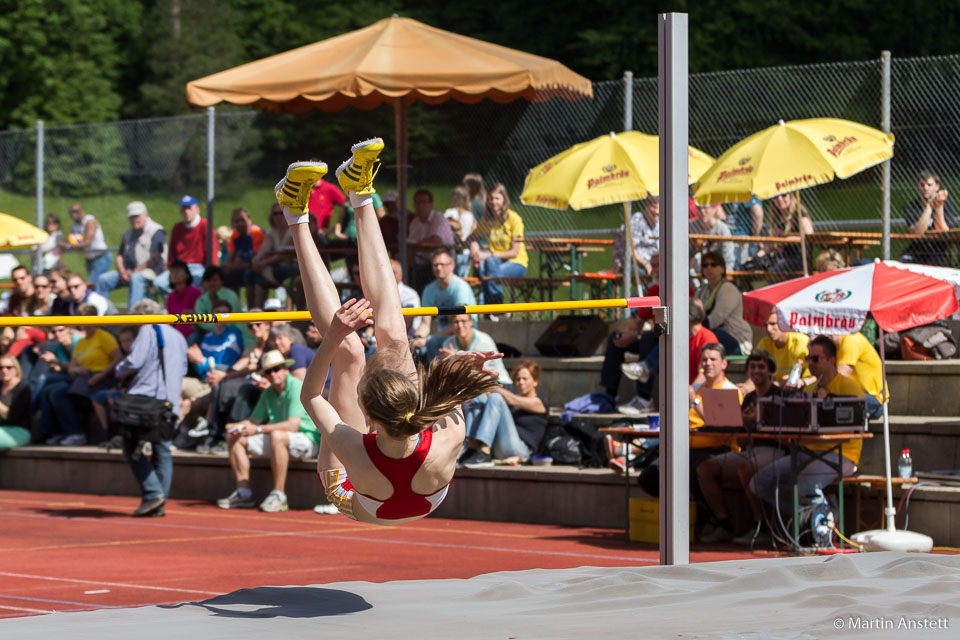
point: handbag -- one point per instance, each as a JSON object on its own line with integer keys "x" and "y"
{"x": 140, "y": 418}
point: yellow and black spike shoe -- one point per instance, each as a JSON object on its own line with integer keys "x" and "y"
{"x": 293, "y": 192}
{"x": 357, "y": 173}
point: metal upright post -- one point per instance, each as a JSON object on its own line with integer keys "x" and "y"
{"x": 400, "y": 126}
{"x": 35, "y": 266}
{"x": 885, "y": 118}
{"x": 211, "y": 166}
{"x": 674, "y": 269}
{"x": 628, "y": 234}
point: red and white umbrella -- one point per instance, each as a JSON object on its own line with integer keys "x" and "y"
{"x": 900, "y": 296}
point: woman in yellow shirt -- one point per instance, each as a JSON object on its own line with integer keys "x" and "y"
{"x": 506, "y": 256}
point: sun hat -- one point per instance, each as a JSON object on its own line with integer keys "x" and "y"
{"x": 274, "y": 358}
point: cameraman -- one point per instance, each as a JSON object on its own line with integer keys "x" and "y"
{"x": 154, "y": 472}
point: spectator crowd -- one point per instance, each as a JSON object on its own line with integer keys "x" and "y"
{"x": 235, "y": 386}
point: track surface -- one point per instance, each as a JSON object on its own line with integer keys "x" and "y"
{"x": 71, "y": 552}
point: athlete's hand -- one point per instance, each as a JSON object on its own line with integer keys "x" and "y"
{"x": 352, "y": 316}
{"x": 478, "y": 358}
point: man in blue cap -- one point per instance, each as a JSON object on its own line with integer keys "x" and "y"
{"x": 188, "y": 242}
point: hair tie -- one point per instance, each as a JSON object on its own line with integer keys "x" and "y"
{"x": 409, "y": 415}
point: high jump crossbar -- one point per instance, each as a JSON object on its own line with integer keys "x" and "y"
{"x": 268, "y": 316}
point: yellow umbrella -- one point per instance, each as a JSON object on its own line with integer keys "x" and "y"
{"x": 793, "y": 155}
{"x": 15, "y": 232}
{"x": 618, "y": 167}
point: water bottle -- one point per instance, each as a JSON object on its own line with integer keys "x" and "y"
{"x": 795, "y": 374}
{"x": 905, "y": 464}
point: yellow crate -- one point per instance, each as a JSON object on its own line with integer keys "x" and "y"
{"x": 645, "y": 519}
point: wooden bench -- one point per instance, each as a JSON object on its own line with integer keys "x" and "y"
{"x": 877, "y": 485}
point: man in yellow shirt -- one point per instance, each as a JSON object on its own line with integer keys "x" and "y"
{"x": 713, "y": 361}
{"x": 506, "y": 256}
{"x": 822, "y": 361}
{"x": 857, "y": 359}
{"x": 786, "y": 347}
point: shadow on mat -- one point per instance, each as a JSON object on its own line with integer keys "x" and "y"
{"x": 282, "y": 602}
{"x": 81, "y": 512}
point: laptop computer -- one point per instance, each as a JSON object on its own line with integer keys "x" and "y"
{"x": 721, "y": 410}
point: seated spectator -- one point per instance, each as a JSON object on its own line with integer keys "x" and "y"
{"x": 143, "y": 254}
{"x": 409, "y": 299}
{"x": 710, "y": 222}
{"x": 723, "y": 304}
{"x": 736, "y": 468}
{"x": 427, "y": 229}
{"x": 508, "y": 422}
{"x": 80, "y": 295}
{"x": 448, "y": 290}
{"x": 275, "y": 262}
{"x": 788, "y": 217}
{"x": 99, "y": 399}
{"x": 931, "y": 210}
{"x": 649, "y": 362}
{"x": 233, "y": 395}
{"x": 279, "y": 428}
{"x": 50, "y": 248}
{"x": 787, "y": 348}
{"x": 245, "y": 242}
{"x": 58, "y": 282}
{"x": 53, "y": 356}
{"x": 213, "y": 291}
{"x": 713, "y": 361}
{"x": 91, "y": 367}
{"x": 150, "y": 377}
{"x": 823, "y": 366}
{"x": 86, "y": 235}
{"x": 645, "y": 229}
{"x": 223, "y": 241}
{"x": 188, "y": 242}
{"x": 462, "y": 222}
{"x": 829, "y": 260}
{"x": 183, "y": 298}
{"x": 473, "y": 183}
{"x": 746, "y": 219}
{"x": 466, "y": 338}
{"x": 14, "y": 405}
{"x": 41, "y": 302}
{"x": 218, "y": 349}
{"x": 14, "y": 302}
{"x": 858, "y": 360}
{"x": 505, "y": 256}
{"x": 283, "y": 338}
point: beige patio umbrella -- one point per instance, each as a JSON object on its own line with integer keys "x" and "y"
{"x": 396, "y": 61}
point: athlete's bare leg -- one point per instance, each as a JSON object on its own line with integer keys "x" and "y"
{"x": 323, "y": 302}
{"x": 376, "y": 273}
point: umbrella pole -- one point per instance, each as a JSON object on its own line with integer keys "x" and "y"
{"x": 628, "y": 253}
{"x": 890, "y": 512}
{"x": 400, "y": 126}
{"x": 803, "y": 250}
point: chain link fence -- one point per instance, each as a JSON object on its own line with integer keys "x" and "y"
{"x": 106, "y": 165}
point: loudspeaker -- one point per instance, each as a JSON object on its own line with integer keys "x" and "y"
{"x": 572, "y": 336}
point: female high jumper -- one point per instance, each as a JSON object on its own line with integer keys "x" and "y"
{"x": 391, "y": 431}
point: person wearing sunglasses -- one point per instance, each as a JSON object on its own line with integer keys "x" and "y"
{"x": 80, "y": 295}
{"x": 723, "y": 304}
{"x": 822, "y": 361}
{"x": 14, "y": 405}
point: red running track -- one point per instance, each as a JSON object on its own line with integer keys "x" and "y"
{"x": 71, "y": 552}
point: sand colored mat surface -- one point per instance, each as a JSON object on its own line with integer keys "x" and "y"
{"x": 878, "y": 595}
